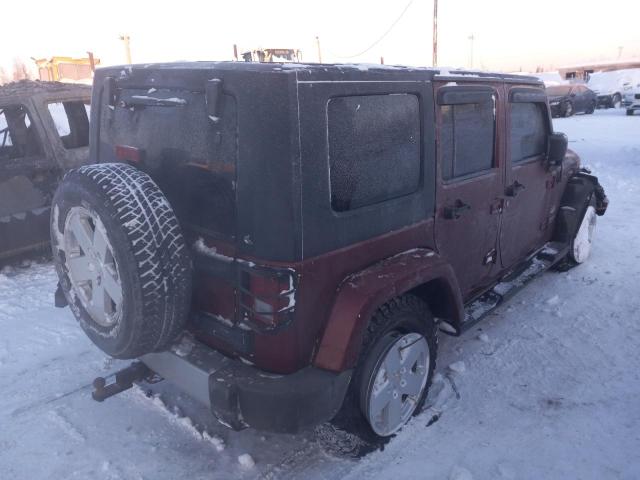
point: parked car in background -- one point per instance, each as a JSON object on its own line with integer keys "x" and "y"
{"x": 188, "y": 227}
{"x": 44, "y": 130}
{"x": 566, "y": 100}
{"x": 632, "y": 99}
{"x": 610, "y": 87}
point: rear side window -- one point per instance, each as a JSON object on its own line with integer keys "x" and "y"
{"x": 374, "y": 149}
{"x": 71, "y": 119}
{"x": 467, "y": 138}
{"x": 18, "y": 136}
{"x": 528, "y": 135}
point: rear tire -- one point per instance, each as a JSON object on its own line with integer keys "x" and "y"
{"x": 404, "y": 325}
{"x": 629, "y": 111}
{"x": 121, "y": 259}
{"x": 567, "y": 110}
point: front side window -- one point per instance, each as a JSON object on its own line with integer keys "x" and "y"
{"x": 374, "y": 149}
{"x": 71, "y": 119}
{"x": 528, "y": 135}
{"x": 18, "y": 136}
{"x": 467, "y": 138}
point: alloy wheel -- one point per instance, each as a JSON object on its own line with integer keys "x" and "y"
{"x": 397, "y": 383}
{"x": 92, "y": 267}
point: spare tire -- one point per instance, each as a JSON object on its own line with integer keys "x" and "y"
{"x": 121, "y": 259}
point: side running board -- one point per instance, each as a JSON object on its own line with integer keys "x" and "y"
{"x": 541, "y": 261}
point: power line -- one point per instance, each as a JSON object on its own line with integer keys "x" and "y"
{"x": 382, "y": 36}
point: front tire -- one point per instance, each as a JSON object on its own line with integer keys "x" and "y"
{"x": 394, "y": 371}
{"x": 629, "y": 112}
{"x": 581, "y": 244}
{"x": 592, "y": 108}
{"x": 616, "y": 101}
{"x": 121, "y": 260}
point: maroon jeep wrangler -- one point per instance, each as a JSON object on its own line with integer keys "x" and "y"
{"x": 284, "y": 241}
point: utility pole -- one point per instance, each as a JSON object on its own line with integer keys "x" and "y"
{"x": 319, "y": 52}
{"x": 92, "y": 61}
{"x": 127, "y": 47}
{"x": 471, "y": 38}
{"x": 435, "y": 33}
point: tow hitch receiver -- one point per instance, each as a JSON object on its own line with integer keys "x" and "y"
{"x": 125, "y": 379}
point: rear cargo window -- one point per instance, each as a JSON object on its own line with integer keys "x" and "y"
{"x": 466, "y": 139}
{"x": 71, "y": 119}
{"x": 528, "y": 134}
{"x": 374, "y": 149}
{"x": 190, "y": 155}
{"x": 18, "y": 135}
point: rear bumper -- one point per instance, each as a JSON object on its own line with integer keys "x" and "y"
{"x": 242, "y": 396}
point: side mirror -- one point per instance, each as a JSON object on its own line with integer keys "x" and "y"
{"x": 557, "y": 148}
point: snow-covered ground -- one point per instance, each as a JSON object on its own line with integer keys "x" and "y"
{"x": 547, "y": 387}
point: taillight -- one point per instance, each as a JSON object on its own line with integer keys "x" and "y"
{"x": 267, "y": 297}
{"x": 125, "y": 153}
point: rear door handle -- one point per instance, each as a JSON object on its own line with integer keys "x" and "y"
{"x": 454, "y": 211}
{"x": 513, "y": 189}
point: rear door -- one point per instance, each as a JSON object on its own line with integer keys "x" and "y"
{"x": 528, "y": 212}
{"x": 28, "y": 176}
{"x": 580, "y": 98}
{"x": 470, "y": 181}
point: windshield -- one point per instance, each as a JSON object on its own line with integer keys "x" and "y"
{"x": 559, "y": 90}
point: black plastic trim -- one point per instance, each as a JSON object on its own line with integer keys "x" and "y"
{"x": 527, "y": 95}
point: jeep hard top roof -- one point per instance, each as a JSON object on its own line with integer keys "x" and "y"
{"x": 241, "y": 149}
{"x": 315, "y": 69}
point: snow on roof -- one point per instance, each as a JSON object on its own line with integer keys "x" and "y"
{"x": 291, "y": 66}
{"x": 621, "y": 62}
{"x": 30, "y": 87}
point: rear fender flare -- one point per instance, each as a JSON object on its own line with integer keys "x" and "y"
{"x": 362, "y": 293}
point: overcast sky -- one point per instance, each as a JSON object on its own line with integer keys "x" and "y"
{"x": 509, "y": 34}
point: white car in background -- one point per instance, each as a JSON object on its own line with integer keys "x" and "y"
{"x": 631, "y": 99}
{"x": 610, "y": 87}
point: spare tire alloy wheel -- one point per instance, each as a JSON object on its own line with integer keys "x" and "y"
{"x": 121, "y": 259}
{"x": 397, "y": 382}
{"x": 581, "y": 244}
{"x": 92, "y": 267}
